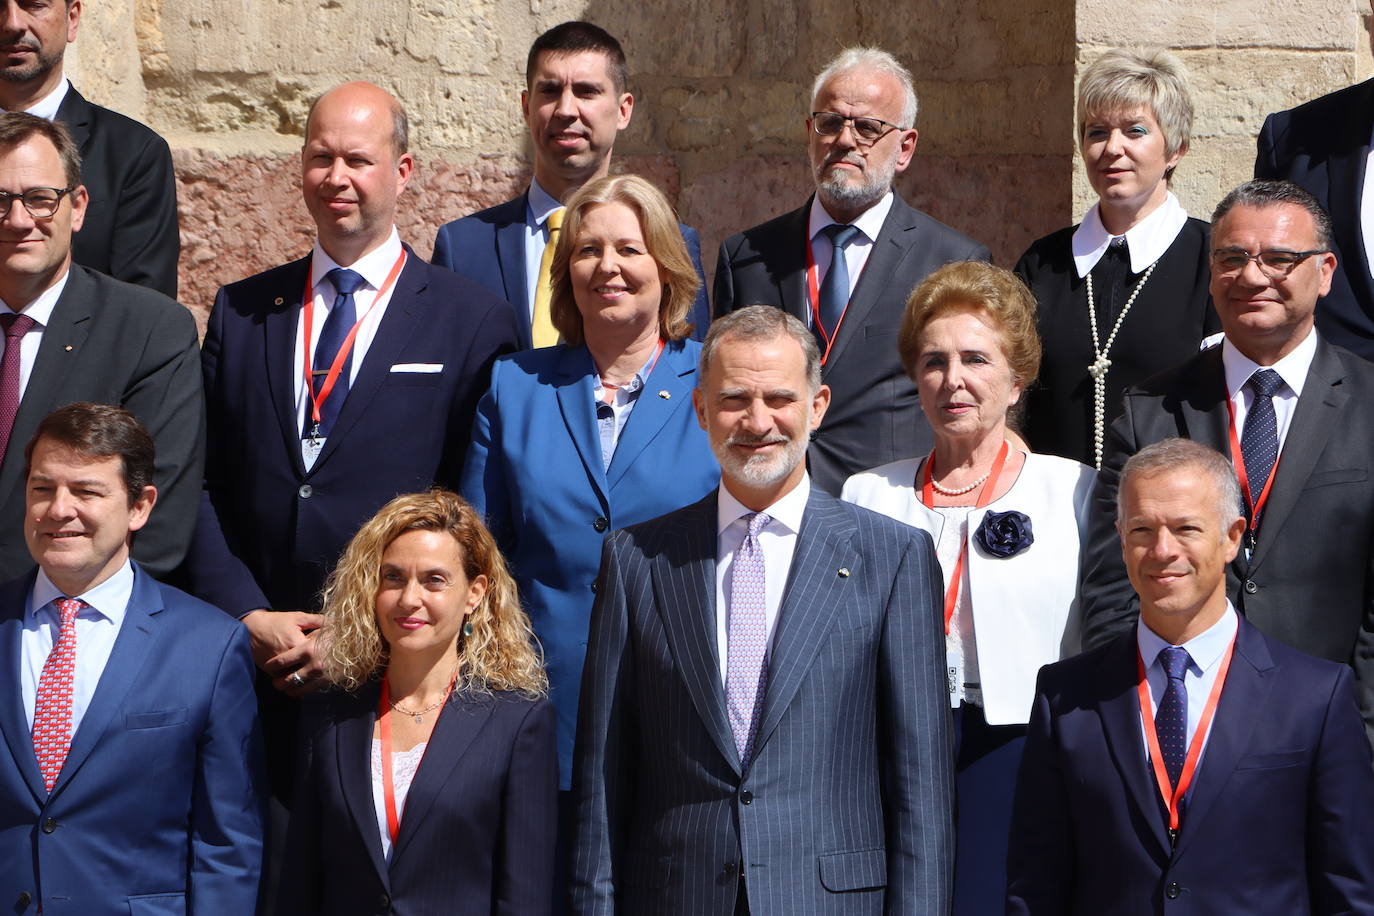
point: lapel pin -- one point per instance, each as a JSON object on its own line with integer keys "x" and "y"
{"x": 664, "y": 394}
{"x": 278, "y": 301}
{"x": 68, "y": 348}
{"x": 844, "y": 572}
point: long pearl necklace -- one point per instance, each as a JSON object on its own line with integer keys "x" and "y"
{"x": 1100, "y": 365}
{"x": 962, "y": 490}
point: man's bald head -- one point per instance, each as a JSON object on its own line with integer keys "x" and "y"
{"x": 360, "y": 94}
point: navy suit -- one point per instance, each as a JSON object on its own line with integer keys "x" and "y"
{"x": 535, "y": 471}
{"x": 476, "y": 835}
{"x": 158, "y": 808}
{"x": 1277, "y": 822}
{"x": 847, "y": 804}
{"x": 488, "y": 247}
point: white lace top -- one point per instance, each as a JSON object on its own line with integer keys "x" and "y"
{"x": 403, "y": 767}
{"x": 961, "y": 646}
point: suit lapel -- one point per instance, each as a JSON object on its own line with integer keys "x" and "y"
{"x": 353, "y": 752}
{"x": 279, "y": 339}
{"x": 510, "y": 253}
{"x": 789, "y": 264}
{"x": 894, "y": 244}
{"x": 75, "y": 114}
{"x": 1318, "y": 412}
{"x": 1205, "y": 417}
{"x": 575, "y": 397}
{"x": 684, "y": 582}
{"x": 457, "y": 728}
{"x": 13, "y": 720}
{"x": 674, "y": 376}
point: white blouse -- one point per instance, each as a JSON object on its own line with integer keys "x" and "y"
{"x": 404, "y": 765}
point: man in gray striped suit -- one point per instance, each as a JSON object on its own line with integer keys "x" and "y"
{"x": 764, "y": 726}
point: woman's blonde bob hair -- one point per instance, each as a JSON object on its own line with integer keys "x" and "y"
{"x": 662, "y": 237}
{"x": 500, "y": 653}
{"x": 1124, "y": 79}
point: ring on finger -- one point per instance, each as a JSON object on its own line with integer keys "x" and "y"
{"x": 295, "y": 679}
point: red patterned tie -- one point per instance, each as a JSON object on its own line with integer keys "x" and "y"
{"x": 16, "y": 326}
{"x": 52, "y": 713}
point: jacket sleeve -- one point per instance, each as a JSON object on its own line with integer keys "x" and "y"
{"x": 1041, "y": 850}
{"x": 145, "y": 243}
{"x": 529, "y": 819}
{"x": 1109, "y": 603}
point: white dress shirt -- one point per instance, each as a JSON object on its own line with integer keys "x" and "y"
{"x": 40, "y": 310}
{"x": 1146, "y": 241}
{"x": 1367, "y": 209}
{"x": 777, "y": 540}
{"x": 540, "y": 204}
{"x": 374, "y": 267}
{"x": 1205, "y": 651}
{"x": 97, "y": 626}
{"x": 47, "y": 106}
{"x": 1292, "y": 369}
{"x": 869, "y": 224}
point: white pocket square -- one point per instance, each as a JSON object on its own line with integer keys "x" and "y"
{"x": 418, "y": 367}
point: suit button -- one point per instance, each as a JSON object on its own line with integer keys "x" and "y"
{"x": 386, "y": 900}
{"x": 601, "y": 524}
{"x": 746, "y": 797}
{"x": 1172, "y": 891}
{"x": 729, "y": 869}
{"x": 1250, "y": 587}
{"x": 25, "y": 898}
{"x": 306, "y": 491}
{"x": 49, "y": 825}
{"x": 593, "y": 587}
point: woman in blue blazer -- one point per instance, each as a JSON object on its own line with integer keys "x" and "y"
{"x": 428, "y": 781}
{"x": 598, "y": 432}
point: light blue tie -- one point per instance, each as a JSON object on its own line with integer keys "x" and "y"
{"x": 835, "y": 289}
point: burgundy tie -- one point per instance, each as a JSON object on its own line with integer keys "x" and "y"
{"x": 16, "y": 326}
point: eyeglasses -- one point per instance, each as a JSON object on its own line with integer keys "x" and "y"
{"x": 866, "y": 130}
{"x": 1274, "y": 263}
{"x": 41, "y": 203}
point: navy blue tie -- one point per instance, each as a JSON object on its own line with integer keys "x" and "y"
{"x": 1171, "y": 718}
{"x": 835, "y": 289}
{"x": 341, "y": 318}
{"x": 1259, "y": 443}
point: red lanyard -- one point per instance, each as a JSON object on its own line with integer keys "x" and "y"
{"x": 308, "y": 305}
{"x": 1238, "y": 459}
{"x": 1185, "y": 778}
{"x": 393, "y": 821}
{"x": 984, "y": 497}
{"x": 813, "y": 291}
{"x": 611, "y": 389}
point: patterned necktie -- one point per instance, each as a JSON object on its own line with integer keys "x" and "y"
{"x": 835, "y": 289}
{"x": 16, "y": 326}
{"x": 337, "y": 325}
{"x": 542, "y": 331}
{"x": 1259, "y": 444}
{"x": 746, "y": 671}
{"x": 52, "y": 709}
{"x": 1171, "y": 719}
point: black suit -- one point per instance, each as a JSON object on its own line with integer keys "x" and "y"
{"x": 874, "y": 417}
{"x": 131, "y": 222}
{"x": 1324, "y": 146}
{"x": 115, "y": 343}
{"x": 1310, "y": 583}
{"x": 477, "y": 830}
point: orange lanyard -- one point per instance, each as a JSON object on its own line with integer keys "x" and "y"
{"x": 1238, "y": 459}
{"x": 393, "y": 821}
{"x": 611, "y": 389}
{"x": 984, "y": 497}
{"x": 1172, "y": 797}
{"x": 813, "y": 291}
{"x": 308, "y": 305}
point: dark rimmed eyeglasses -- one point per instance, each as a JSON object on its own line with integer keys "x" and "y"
{"x": 1274, "y": 263}
{"x": 41, "y": 203}
{"x": 866, "y": 130}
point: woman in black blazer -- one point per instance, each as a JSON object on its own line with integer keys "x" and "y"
{"x": 429, "y": 778}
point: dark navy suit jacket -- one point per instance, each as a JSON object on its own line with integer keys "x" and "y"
{"x": 488, "y": 247}
{"x": 1277, "y": 822}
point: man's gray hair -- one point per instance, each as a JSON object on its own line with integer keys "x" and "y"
{"x": 1266, "y": 192}
{"x": 878, "y": 61}
{"x": 761, "y": 322}
{"x": 1180, "y": 454}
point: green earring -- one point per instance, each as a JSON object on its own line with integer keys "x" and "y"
{"x": 467, "y": 628}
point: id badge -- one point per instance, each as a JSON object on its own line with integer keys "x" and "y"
{"x": 310, "y": 450}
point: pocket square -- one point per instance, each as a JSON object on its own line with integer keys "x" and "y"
{"x": 418, "y": 367}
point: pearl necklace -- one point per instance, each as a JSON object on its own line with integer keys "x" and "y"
{"x": 962, "y": 490}
{"x": 1100, "y": 365}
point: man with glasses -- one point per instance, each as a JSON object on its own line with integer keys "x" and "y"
{"x": 1294, "y": 414}
{"x": 860, "y": 136}
{"x": 73, "y": 334}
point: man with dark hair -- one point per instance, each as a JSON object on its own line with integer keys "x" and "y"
{"x": 576, "y": 100}
{"x": 1292, "y": 412}
{"x": 1192, "y": 764}
{"x": 128, "y": 709}
{"x": 73, "y": 334}
{"x": 130, "y": 228}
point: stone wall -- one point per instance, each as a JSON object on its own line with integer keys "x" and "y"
{"x": 720, "y": 101}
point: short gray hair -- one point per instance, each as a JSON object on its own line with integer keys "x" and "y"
{"x": 761, "y": 322}
{"x": 1178, "y": 454}
{"x": 878, "y": 61}
{"x": 1272, "y": 193}
{"x": 1122, "y": 79}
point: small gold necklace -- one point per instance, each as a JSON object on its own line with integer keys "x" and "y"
{"x": 418, "y": 716}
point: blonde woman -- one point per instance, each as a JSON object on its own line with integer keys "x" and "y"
{"x": 429, "y": 776}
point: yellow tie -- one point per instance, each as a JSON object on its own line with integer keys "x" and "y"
{"x": 541, "y": 325}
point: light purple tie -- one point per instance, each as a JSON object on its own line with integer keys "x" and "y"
{"x": 746, "y": 671}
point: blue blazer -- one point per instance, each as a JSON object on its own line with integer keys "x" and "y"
{"x": 535, "y": 470}
{"x": 158, "y": 808}
{"x": 477, "y": 830}
{"x": 488, "y": 247}
{"x": 1277, "y": 822}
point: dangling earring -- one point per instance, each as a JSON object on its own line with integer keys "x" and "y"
{"x": 467, "y": 628}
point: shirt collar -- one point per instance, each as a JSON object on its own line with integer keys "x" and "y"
{"x": 870, "y": 222}
{"x": 1292, "y": 368}
{"x": 109, "y": 599}
{"x": 636, "y": 382}
{"x": 47, "y": 106}
{"x": 787, "y": 511}
{"x": 40, "y": 309}
{"x": 1205, "y": 649}
{"x": 374, "y": 266}
{"x": 539, "y": 205}
{"x": 1146, "y": 241}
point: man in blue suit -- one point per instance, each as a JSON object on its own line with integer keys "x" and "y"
{"x": 764, "y": 726}
{"x": 1193, "y": 765}
{"x": 576, "y": 100}
{"x": 132, "y": 778}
